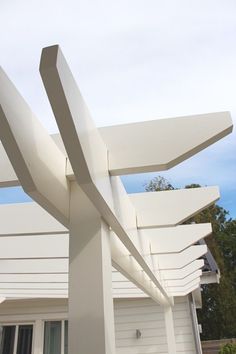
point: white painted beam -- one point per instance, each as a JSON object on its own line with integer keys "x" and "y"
{"x": 174, "y": 239}
{"x": 158, "y": 155}
{"x": 169, "y": 284}
{"x": 36, "y": 159}
{"x": 43, "y": 246}
{"x": 13, "y": 295}
{"x": 34, "y": 266}
{"x": 37, "y": 292}
{"x": 181, "y": 273}
{"x": 170, "y": 208}
{"x": 167, "y": 274}
{"x": 33, "y": 278}
{"x": 128, "y": 267}
{"x": 132, "y": 157}
{"x": 29, "y": 218}
{"x": 184, "y": 282}
{"x": 8, "y": 177}
{"x": 85, "y": 148}
{"x": 179, "y": 260}
{"x": 29, "y": 247}
{"x": 33, "y": 286}
{"x": 186, "y": 291}
{"x": 170, "y": 141}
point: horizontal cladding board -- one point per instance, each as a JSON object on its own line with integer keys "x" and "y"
{"x": 149, "y": 319}
{"x": 154, "y": 349}
{"x": 146, "y": 333}
{"x": 130, "y": 342}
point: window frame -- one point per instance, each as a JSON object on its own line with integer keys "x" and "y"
{"x": 17, "y": 324}
{"x": 62, "y": 332}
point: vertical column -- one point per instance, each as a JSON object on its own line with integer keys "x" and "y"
{"x": 91, "y": 315}
{"x": 170, "y": 333}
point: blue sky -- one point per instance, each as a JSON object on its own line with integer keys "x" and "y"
{"x": 134, "y": 61}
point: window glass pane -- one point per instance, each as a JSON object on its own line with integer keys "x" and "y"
{"x": 52, "y": 337}
{"x": 7, "y": 339}
{"x": 66, "y": 338}
{"x": 24, "y": 343}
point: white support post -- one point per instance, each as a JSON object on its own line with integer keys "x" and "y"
{"x": 170, "y": 332}
{"x": 91, "y": 316}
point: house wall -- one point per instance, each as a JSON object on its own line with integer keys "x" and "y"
{"x": 130, "y": 315}
{"x": 148, "y": 317}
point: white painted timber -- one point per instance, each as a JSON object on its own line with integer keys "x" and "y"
{"x": 36, "y": 159}
{"x": 39, "y": 292}
{"x": 172, "y": 274}
{"x": 210, "y": 278}
{"x": 187, "y": 290}
{"x": 90, "y": 281}
{"x": 170, "y": 141}
{"x": 85, "y": 148}
{"x": 38, "y": 246}
{"x": 8, "y": 177}
{"x": 29, "y": 247}
{"x": 179, "y": 260}
{"x": 126, "y": 285}
{"x": 170, "y": 332}
{"x": 148, "y": 317}
{"x": 29, "y": 218}
{"x": 185, "y": 281}
{"x": 33, "y": 278}
{"x": 130, "y": 314}
{"x": 53, "y": 247}
{"x": 126, "y": 155}
{"x": 168, "y": 274}
{"x": 34, "y": 266}
{"x": 33, "y": 286}
{"x": 170, "y": 208}
{"x": 174, "y": 239}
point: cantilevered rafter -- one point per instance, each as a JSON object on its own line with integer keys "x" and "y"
{"x": 170, "y": 208}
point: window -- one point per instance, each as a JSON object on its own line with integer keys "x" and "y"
{"x": 55, "y": 337}
{"x": 24, "y": 343}
{"x": 16, "y": 339}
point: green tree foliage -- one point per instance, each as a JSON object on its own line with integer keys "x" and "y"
{"x": 229, "y": 348}
{"x": 218, "y": 314}
{"x": 157, "y": 184}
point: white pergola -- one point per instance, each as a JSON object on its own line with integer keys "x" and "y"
{"x": 83, "y": 222}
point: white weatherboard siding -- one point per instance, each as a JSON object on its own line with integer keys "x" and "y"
{"x": 130, "y": 315}
{"x": 148, "y": 317}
